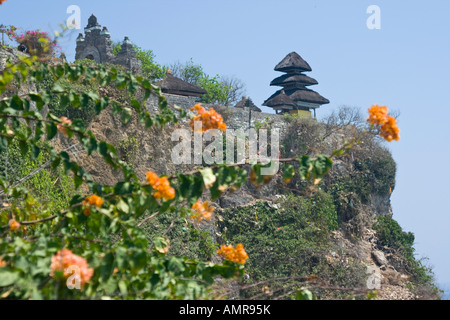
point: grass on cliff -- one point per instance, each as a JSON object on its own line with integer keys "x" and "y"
{"x": 401, "y": 243}
{"x": 287, "y": 243}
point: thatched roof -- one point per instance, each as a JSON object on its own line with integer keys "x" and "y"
{"x": 291, "y": 62}
{"x": 174, "y": 85}
{"x": 301, "y": 95}
{"x": 246, "y": 102}
{"x": 291, "y": 79}
{"x": 281, "y": 99}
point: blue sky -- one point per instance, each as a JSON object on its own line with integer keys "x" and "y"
{"x": 405, "y": 66}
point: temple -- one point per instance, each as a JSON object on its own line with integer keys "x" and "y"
{"x": 247, "y": 103}
{"x": 96, "y": 45}
{"x": 173, "y": 85}
{"x": 295, "y": 97}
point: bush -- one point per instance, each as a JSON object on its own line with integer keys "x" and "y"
{"x": 82, "y": 111}
{"x": 35, "y": 43}
{"x": 185, "y": 239}
{"x": 380, "y": 168}
{"x": 287, "y": 242}
{"x": 50, "y": 187}
{"x": 391, "y": 234}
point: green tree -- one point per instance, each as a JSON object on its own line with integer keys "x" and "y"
{"x": 220, "y": 90}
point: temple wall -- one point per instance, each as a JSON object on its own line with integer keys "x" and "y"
{"x": 235, "y": 118}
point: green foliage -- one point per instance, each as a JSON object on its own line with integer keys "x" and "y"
{"x": 379, "y": 169}
{"x": 126, "y": 262}
{"x": 287, "y": 242}
{"x": 128, "y": 150}
{"x": 186, "y": 239}
{"x": 263, "y": 125}
{"x": 138, "y": 245}
{"x": 218, "y": 90}
{"x": 391, "y": 234}
{"x": 189, "y": 71}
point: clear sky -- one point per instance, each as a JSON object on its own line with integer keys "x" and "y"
{"x": 404, "y": 65}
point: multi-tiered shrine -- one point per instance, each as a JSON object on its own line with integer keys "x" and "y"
{"x": 295, "y": 97}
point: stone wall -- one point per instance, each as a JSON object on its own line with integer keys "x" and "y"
{"x": 235, "y": 118}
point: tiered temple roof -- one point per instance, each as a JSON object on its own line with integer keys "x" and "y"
{"x": 173, "y": 85}
{"x": 246, "y": 102}
{"x": 294, "y": 95}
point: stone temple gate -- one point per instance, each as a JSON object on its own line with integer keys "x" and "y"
{"x": 96, "y": 45}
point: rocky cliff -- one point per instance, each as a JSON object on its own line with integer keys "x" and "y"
{"x": 333, "y": 232}
{"x": 360, "y": 185}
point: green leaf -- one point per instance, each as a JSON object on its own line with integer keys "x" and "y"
{"x": 23, "y": 147}
{"x": 288, "y": 173}
{"x": 35, "y": 151}
{"x": 305, "y": 167}
{"x": 136, "y": 105}
{"x": 123, "y": 288}
{"x": 58, "y": 88}
{"x": 321, "y": 166}
{"x": 208, "y": 177}
{"x": 123, "y": 206}
{"x": 304, "y": 295}
{"x": 52, "y": 130}
{"x": 7, "y": 278}
{"x": 161, "y": 244}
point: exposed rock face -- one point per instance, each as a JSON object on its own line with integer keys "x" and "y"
{"x": 379, "y": 257}
{"x": 11, "y": 55}
{"x": 154, "y": 153}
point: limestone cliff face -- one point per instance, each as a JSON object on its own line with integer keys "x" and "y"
{"x": 154, "y": 153}
{"x": 9, "y": 54}
{"x": 150, "y": 149}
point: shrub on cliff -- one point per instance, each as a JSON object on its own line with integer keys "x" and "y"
{"x": 391, "y": 234}
{"x": 286, "y": 241}
{"x": 35, "y": 43}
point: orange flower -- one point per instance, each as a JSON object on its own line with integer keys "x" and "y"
{"x": 378, "y": 116}
{"x": 14, "y": 225}
{"x": 390, "y": 130}
{"x": 2, "y": 263}
{"x": 93, "y": 200}
{"x": 202, "y": 211}
{"x": 161, "y": 185}
{"x": 65, "y": 259}
{"x": 61, "y": 127}
{"x": 237, "y": 255}
{"x": 1, "y": 1}
{"x": 210, "y": 119}
{"x": 152, "y": 178}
